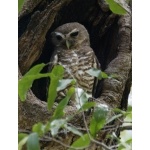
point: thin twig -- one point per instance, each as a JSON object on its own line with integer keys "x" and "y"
{"x": 48, "y": 139}
{"x": 114, "y": 147}
{"x": 24, "y": 131}
{"x": 126, "y": 128}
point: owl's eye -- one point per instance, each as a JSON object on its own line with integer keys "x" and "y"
{"x": 73, "y": 34}
{"x": 59, "y": 37}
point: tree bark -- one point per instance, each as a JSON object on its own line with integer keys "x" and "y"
{"x": 110, "y": 37}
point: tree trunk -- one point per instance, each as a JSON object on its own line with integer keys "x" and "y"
{"x": 110, "y": 37}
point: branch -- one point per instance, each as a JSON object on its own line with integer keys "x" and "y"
{"x": 120, "y": 66}
{"x": 33, "y": 39}
{"x": 129, "y": 127}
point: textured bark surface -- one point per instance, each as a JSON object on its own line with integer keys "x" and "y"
{"x": 110, "y": 37}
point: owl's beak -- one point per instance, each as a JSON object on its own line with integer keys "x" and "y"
{"x": 67, "y": 44}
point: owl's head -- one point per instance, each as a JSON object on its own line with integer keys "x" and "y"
{"x": 70, "y": 36}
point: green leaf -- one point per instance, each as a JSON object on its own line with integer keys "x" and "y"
{"x": 113, "y": 76}
{"x": 22, "y": 142}
{"x": 20, "y": 4}
{"x": 98, "y": 119}
{"x": 65, "y": 83}
{"x": 124, "y": 146}
{"x": 47, "y": 127}
{"x": 35, "y": 70}
{"x": 121, "y": 147}
{"x": 129, "y": 109}
{"x": 87, "y": 106}
{"x": 127, "y": 113}
{"x": 104, "y": 75}
{"x": 56, "y": 75}
{"x": 59, "y": 112}
{"x": 94, "y": 72}
{"x": 129, "y": 141}
{"x": 21, "y": 136}
{"x": 98, "y": 73}
{"x": 56, "y": 125}
{"x": 73, "y": 130}
{"x": 33, "y": 142}
{"x": 116, "y": 8}
{"x": 52, "y": 93}
{"x": 39, "y": 128}
{"x": 82, "y": 142}
{"x": 129, "y": 117}
{"x": 117, "y": 110}
{"x": 126, "y": 140}
{"x": 113, "y": 118}
{"x": 25, "y": 83}
{"x": 81, "y": 97}
{"x": 58, "y": 71}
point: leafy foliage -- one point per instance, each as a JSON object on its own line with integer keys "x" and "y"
{"x": 73, "y": 130}
{"x": 98, "y": 120}
{"x": 26, "y": 82}
{"x": 56, "y": 124}
{"x": 59, "y": 112}
{"x": 39, "y": 128}
{"x": 116, "y": 7}
{"x": 81, "y": 97}
{"x": 113, "y": 118}
{"x": 22, "y": 139}
{"x": 65, "y": 83}
{"x": 87, "y": 106}
{"x": 58, "y": 120}
{"x": 55, "y": 76}
{"x": 33, "y": 142}
{"x": 22, "y": 142}
{"x": 82, "y": 142}
{"x": 21, "y": 136}
{"x": 99, "y": 74}
{"x": 20, "y": 4}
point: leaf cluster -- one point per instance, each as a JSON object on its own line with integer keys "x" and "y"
{"x": 58, "y": 121}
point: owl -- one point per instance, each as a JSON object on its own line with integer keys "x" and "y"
{"x": 72, "y": 50}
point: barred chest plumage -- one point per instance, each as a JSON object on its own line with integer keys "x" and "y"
{"x": 76, "y": 63}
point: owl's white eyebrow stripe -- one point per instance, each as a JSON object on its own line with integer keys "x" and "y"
{"x": 58, "y": 33}
{"x": 74, "y": 30}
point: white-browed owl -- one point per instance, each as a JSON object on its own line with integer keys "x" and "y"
{"x": 72, "y": 51}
